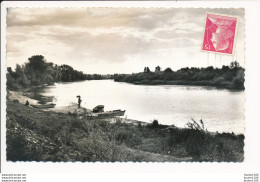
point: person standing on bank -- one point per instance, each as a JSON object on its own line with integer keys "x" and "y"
{"x": 79, "y": 101}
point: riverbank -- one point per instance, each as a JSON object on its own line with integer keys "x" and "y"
{"x": 226, "y": 77}
{"x": 226, "y": 85}
{"x": 44, "y": 135}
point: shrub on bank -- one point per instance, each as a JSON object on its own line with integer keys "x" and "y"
{"x": 123, "y": 135}
{"x": 203, "y": 146}
{"x": 155, "y": 123}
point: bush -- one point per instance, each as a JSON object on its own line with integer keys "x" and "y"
{"x": 11, "y": 83}
{"x": 118, "y": 121}
{"x": 48, "y": 79}
{"x": 123, "y": 135}
{"x": 196, "y": 142}
{"x": 155, "y": 123}
{"x": 168, "y": 70}
{"x": 20, "y": 149}
{"x": 15, "y": 101}
{"x": 239, "y": 79}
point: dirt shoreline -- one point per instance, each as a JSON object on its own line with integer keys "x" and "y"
{"x": 70, "y": 109}
{"x": 21, "y": 97}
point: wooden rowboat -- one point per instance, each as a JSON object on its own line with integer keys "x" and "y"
{"x": 112, "y": 113}
{"x": 44, "y": 106}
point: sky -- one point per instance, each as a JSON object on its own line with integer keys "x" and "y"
{"x": 116, "y": 40}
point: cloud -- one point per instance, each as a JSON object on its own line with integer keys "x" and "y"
{"x": 141, "y": 18}
{"x": 95, "y": 36}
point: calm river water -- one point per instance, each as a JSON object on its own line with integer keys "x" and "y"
{"x": 220, "y": 110}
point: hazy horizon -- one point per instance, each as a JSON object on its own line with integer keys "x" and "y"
{"x": 115, "y": 40}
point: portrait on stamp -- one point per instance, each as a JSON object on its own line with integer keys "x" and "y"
{"x": 219, "y": 33}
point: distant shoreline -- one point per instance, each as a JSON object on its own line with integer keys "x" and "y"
{"x": 227, "y": 77}
{"x": 30, "y": 75}
{"x": 182, "y": 83}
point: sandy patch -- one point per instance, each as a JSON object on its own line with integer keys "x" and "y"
{"x": 71, "y": 109}
{"x": 21, "y": 98}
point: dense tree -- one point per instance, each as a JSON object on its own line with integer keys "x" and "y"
{"x": 226, "y": 77}
{"x": 183, "y": 69}
{"x": 168, "y": 70}
{"x": 225, "y": 68}
{"x": 21, "y": 77}
{"x": 37, "y": 71}
{"x": 37, "y": 63}
{"x": 147, "y": 70}
{"x": 9, "y": 70}
{"x": 234, "y": 64}
{"x": 157, "y": 69}
{"x": 210, "y": 68}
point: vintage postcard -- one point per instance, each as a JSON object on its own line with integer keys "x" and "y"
{"x": 124, "y": 84}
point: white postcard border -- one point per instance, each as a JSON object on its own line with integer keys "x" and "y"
{"x": 252, "y": 104}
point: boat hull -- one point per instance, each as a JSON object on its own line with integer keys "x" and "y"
{"x": 46, "y": 106}
{"x": 107, "y": 114}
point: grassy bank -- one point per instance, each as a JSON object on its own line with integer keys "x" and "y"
{"x": 37, "y": 135}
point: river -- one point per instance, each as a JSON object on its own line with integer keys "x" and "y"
{"x": 221, "y": 110}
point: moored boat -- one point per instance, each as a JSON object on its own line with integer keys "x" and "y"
{"x": 99, "y": 108}
{"x": 43, "y": 106}
{"x": 98, "y": 111}
{"x": 107, "y": 113}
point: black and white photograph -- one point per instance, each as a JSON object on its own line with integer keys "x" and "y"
{"x": 123, "y": 85}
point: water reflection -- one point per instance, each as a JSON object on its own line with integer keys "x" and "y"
{"x": 37, "y": 94}
{"x": 221, "y": 109}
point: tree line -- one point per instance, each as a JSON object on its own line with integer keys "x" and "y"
{"x": 37, "y": 71}
{"x": 231, "y": 76}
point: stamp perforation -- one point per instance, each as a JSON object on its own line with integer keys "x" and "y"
{"x": 235, "y": 34}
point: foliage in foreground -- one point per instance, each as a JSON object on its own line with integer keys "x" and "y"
{"x": 35, "y": 135}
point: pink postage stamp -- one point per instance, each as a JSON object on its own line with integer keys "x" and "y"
{"x": 219, "y": 33}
